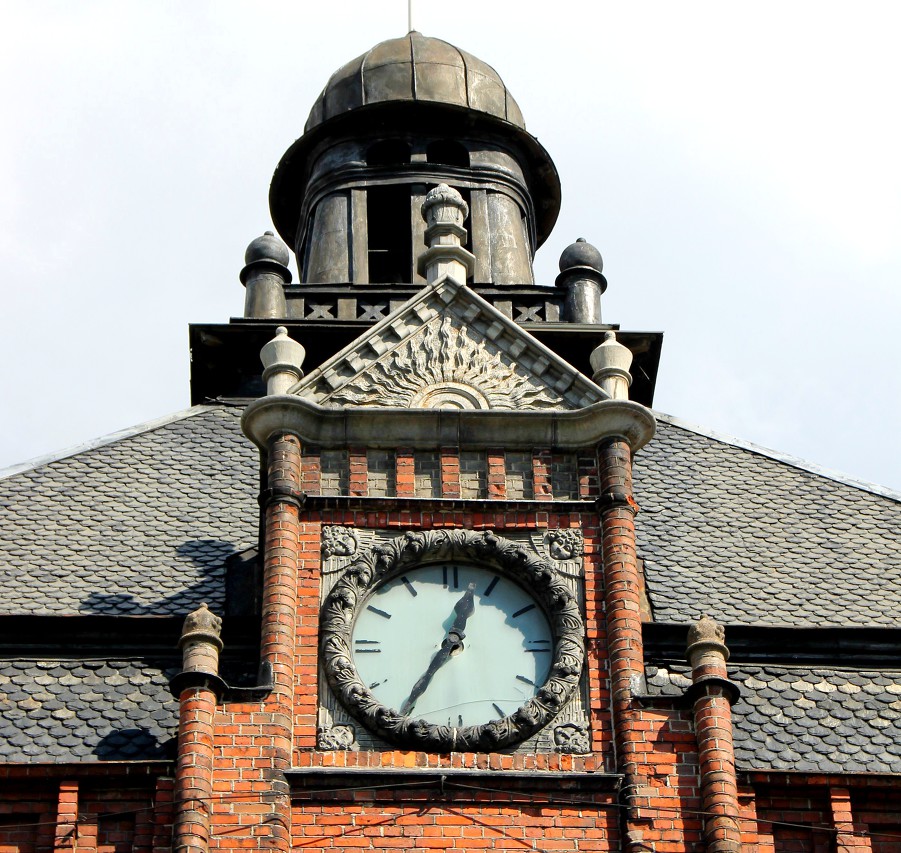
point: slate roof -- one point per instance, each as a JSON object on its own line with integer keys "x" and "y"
{"x": 87, "y": 710}
{"x": 736, "y": 534}
{"x": 807, "y": 719}
{"x": 138, "y": 526}
{"x": 143, "y": 525}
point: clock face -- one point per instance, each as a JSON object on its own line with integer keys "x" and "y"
{"x": 451, "y": 640}
{"x": 452, "y": 644}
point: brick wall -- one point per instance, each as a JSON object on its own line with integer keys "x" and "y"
{"x": 416, "y": 819}
{"x": 449, "y": 473}
{"x": 90, "y": 809}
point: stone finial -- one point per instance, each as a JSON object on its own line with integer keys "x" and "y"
{"x": 265, "y": 275}
{"x": 444, "y": 211}
{"x": 282, "y": 358}
{"x": 443, "y": 204}
{"x": 611, "y": 362}
{"x": 200, "y": 642}
{"x": 706, "y": 644}
{"x": 581, "y": 275}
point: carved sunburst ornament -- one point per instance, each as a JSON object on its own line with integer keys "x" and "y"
{"x": 445, "y": 365}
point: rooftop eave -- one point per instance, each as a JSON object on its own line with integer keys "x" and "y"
{"x": 431, "y": 428}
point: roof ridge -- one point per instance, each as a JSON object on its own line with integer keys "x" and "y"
{"x": 779, "y": 456}
{"x": 102, "y": 441}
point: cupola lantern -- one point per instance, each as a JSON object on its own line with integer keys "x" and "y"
{"x": 409, "y": 114}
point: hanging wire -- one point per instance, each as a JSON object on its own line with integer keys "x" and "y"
{"x": 518, "y": 797}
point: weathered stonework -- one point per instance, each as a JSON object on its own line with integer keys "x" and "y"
{"x": 448, "y": 348}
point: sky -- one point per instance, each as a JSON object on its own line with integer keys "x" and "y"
{"x": 736, "y": 164}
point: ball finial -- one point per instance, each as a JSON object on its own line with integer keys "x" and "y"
{"x": 267, "y": 248}
{"x": 581, "y": 254}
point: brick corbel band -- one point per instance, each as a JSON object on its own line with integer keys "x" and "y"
{"x": 198, "y": 688}
{"x": 713, "y": 695}
{"x": 282, "y": 499}
{"x": 622, "y": 586}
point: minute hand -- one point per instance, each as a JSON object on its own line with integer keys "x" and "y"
{"x": 451, "y": 643}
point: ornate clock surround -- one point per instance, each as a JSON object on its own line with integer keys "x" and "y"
{"x": 379, "y": 563}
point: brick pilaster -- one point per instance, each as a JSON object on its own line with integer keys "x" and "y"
{"x": 497, "y": 475}
{"x": 198, "y": 688}
{"x": 843, "y": 820}
{"x": 617, "y": 509}
{"x": 163, "y": 799}
{"x": 450, "y": 472}
{"x": 358, "y": 481}
{"x": 713, "y": 695}
{"x": 280, "y": 561}
{"x": 541, "y": 475}
{"x": 66, "y": 833}
{"x": 194, "y": 770}
{"x": 405, "y": 472}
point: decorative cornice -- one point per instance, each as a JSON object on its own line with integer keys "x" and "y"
{"x": 431, "y": 428}
{"x": 699, "y": 688}
{"x": 284, "y": 495}
{"x": 199, "y": 680}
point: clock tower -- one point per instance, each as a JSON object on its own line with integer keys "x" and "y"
{"x": 448, "y": 585}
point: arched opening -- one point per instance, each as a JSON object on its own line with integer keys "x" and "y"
{"x": 390, "y": 240}
{"x": 388, "y": 152}
{"x": 447, "y": 152}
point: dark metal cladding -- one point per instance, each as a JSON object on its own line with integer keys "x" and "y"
{"x": 419, "y": 87}
{"x": 419, "y": 68}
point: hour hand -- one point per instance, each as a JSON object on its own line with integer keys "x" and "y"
{"x": 451, "y": 642}
{"x": 464, "y": 609}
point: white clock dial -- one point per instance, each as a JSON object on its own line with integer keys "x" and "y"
{"x": 452, "y": 644}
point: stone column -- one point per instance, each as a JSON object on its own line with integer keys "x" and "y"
{"x": 281, "y": 501}
{"x": 713, "y": 695}
{"x": 444, "y": 211}
{"x": 622, "y": 586}
{"x": 265, "y": 275}
{"x": 198, "y": 688}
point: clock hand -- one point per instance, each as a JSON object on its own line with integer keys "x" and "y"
{"x": 452, "y": 642}
{"x": 464, "y": 608}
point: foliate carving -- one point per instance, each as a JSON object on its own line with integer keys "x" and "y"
{"x": 336, "y": 737}
{"x": 706, "y": 629}
{"x": 572, "y": 738}
{"x": 339, "y": 541}
{"x": 378, "y": 564}
{"x": 446, "y": 364}
{"x": 201, "y": 626}
{"x": 564, "y": 543}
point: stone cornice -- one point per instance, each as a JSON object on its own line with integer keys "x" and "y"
{"x": 432, "y": 428}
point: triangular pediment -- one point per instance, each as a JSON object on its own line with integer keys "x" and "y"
{"x": 448, "y": 348}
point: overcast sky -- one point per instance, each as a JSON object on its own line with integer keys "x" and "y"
{"x": 737, "y": 165}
